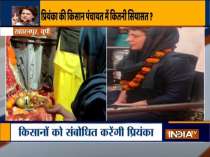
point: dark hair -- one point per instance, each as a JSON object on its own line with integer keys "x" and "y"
{"x": 33, "y": 10}
{"x": 143, "y": 29}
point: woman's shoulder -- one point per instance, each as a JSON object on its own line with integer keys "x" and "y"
{"x": 180, "y": 58}
{"x": 180, "y": 55}
{"x": 178, "y": 61}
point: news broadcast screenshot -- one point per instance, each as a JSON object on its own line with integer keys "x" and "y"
{"x": 104, "y": 78}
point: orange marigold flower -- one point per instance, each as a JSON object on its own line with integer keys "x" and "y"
{"x": 133, "y": 84}
{"x": 10, "y": 102}
{"x": 152, "y": 60}
{"x": 159, "y": 54}
{"x": 136, "y": 80}
{"x": 145, "y": 70}
{"x": 139, "y": 76}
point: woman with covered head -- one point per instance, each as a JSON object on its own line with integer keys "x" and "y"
{"x": 89, "y": 103}
{"x": 153, "y": 73}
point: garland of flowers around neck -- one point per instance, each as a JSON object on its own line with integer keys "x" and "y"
{"x": 144, "y": 70}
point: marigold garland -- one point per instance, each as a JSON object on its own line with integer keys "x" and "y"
{"x": 144, "y": 70}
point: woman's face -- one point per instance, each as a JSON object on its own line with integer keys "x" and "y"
{"x": 136, "y": 39}
{"x": 26, "y": 16}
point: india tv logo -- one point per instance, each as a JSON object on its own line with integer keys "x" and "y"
{"x": 182, "y": 134}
